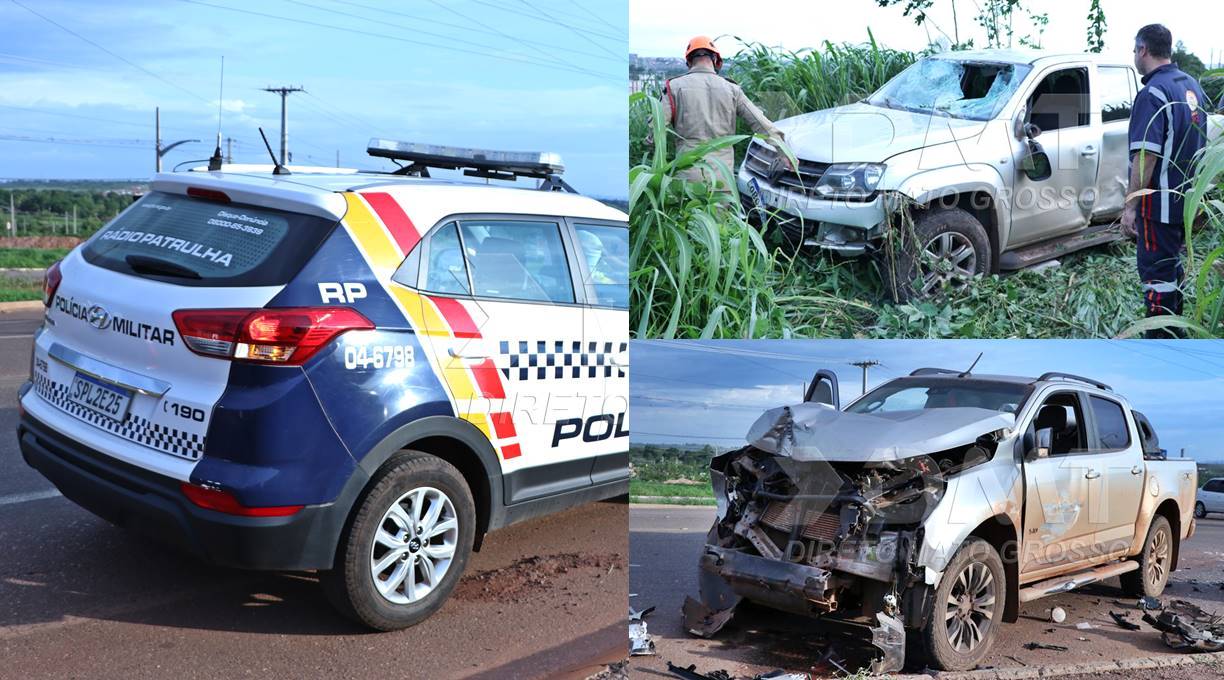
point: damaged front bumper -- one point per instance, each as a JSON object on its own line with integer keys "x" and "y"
{"x": 847, "y": 227}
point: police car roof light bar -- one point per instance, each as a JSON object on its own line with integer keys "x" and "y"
{"x": 484, "y": 163}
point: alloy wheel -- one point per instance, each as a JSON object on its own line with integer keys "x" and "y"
{"x": 948, "y": 258}
{"x": 970, "y": 607}
{"x": 414, "y": 545}
{"x": 1158, "y": 557}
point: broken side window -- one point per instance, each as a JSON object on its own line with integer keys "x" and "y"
{"x": 960, "y": 89}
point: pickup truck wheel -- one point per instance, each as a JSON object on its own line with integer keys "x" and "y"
{"x": 1154, "y": 562}
{"x": 950, "y": 248}
{"x": 1200, "y": 510}
{"x": 406, "y": 545}
{"x": 967, "y": 608}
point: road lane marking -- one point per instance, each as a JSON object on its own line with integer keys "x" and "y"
{"x": 27, "y": 497}
{"x": 14, "y": 337}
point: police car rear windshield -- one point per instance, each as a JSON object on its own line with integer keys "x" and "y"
{"x": 189, "y": 241}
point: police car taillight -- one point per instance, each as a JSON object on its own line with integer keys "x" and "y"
{"x": 285, "y": 336}
{"x": 51, "y": 282}
{"x": 208, "y": 194}
{"x": 224, "y": 501}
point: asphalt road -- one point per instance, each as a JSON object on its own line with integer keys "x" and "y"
{"x": 665, "y": 541}
{"x": 80, "y": 598}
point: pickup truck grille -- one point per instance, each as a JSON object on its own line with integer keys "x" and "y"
{"x": 817, "y": 524}
{"x": 761, "y": 156}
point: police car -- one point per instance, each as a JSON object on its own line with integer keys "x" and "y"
{"x": 357, "y": 373}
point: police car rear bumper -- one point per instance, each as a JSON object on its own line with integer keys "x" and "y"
{"x": 153, "y": 504}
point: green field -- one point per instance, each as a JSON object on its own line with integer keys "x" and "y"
{"x": 30, "y": 258}
{"x": 13, "y": 290}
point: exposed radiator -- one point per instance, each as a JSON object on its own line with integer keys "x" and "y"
{"x": 817, "y": 524}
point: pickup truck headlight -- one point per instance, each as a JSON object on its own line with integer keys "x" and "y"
{"x": 849, "y": 180}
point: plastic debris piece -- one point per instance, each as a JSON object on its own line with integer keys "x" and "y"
{"x": 690, "y": 673}
{"x": 1058, "y": 615}
{"x": 1043, "y": 645}
{"x": 1185, "y": 625}
{"x": 1124, "y": 622}
{"x": 1084, "y": 625}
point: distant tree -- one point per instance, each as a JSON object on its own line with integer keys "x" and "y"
{"x": 1187, "y": 61}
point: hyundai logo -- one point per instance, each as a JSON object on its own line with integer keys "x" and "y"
{"x": 98, "y": 317}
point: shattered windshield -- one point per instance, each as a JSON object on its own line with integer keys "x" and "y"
{"x": 960, "y": 89}
{"x": 914, "y": 395}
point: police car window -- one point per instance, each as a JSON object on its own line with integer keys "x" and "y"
{"x": 606, "y": 253}
{"x": 447, "y": 271}
{"x": 517, "y": 260}
{"x": 1112, "y": 432}
{"x": 1117, "y": 92}
{"x": 190, "y": 241}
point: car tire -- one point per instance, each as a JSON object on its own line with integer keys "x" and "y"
{"x": 957, "y": 638}
{"x": 408, "y": 588}
{"x": 948, "y": 247}
{"x": 1200, "y": 510}
{"x": 1155, "y": 561}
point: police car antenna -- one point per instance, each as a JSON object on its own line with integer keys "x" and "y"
{"x": 214, "y": 163}
{"x": 278, "y": 169}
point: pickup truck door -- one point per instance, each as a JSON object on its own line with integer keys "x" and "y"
{"x": 1118, "y": 471}
{"x": 1059, "y": 105}
{"x": 1114, "y": 88}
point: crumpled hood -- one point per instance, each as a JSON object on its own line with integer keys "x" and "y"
{"x": 811, "y": 432}
{"x": 862, "y": 133}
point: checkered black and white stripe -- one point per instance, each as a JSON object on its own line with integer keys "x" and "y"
{"x": 544, "y": 359}
{"x": 134, "y": 428}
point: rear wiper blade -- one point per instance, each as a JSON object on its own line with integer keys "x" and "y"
{"x": 157, "y": 265}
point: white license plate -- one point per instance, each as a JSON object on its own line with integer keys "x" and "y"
{"x": 100, "y": 396}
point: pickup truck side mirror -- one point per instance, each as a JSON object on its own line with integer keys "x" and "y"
{"x": 1036, "y": 445}
{"x": 1036, "y": 163}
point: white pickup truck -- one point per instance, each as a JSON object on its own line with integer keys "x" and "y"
{"x": 937, "y": 503}
{"x": 1003, "y": 158}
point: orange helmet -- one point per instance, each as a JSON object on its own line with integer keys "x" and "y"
{"x": 702, "y": 42}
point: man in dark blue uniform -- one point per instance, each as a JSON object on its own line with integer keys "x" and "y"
{"x": 1167, "y": 128}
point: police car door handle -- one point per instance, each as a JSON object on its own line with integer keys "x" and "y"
{"x": 468, "y": 357}
{"x": 1088, "y": 150}
{"x": 1092, "y": 474}
{"x": 1137, "y": 470}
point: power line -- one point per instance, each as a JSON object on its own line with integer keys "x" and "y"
{"x": 547, "y": 20}
{"x": 486, "y": 30}
{"x": 417, "y": 30}
{"x": 491, "y": 28}
{"x": 575, "y": 31}
{"x": 124, "y": 60}
{"x": 503, "y": 57}
{"x": 598, "y": 18}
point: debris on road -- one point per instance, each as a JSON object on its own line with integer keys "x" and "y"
{"x": 640, "y": 641}
{"x": 1058, "y": 615}
{"x": 1122, "y": 621}
{"x": 690, "y": 673}
{"x": 701, "y": 620}
{"x": 1084, "y": 625}
{"x": 1043, "y": 645}
{"x": 1185, "y": 625}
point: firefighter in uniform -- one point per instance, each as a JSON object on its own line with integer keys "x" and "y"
{"x": 702, "y": 105}
{"x": 1167, "y": 128}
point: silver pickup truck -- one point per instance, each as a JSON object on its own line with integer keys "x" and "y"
{"x": 937, "y": 503}
{"x": 1003, "y": 158}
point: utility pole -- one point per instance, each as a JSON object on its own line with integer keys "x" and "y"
{"x": 284, "y": 93}
{"x": 866, "y": 364}
{"x": 74, "y": 222}
{"x": 337, "y": 158}
{"x": 12, "y": 214}
{"x": 229, "y": 149}
{"x": 157, "y": 144}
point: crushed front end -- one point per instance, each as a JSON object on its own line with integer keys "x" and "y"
{"x": 835, "y": 539}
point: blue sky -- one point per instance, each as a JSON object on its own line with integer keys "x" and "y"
{"x": 711, "y": 391}
{"x": 545, "y": 75}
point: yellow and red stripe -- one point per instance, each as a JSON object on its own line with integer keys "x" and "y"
{"x": 385, "y": 234}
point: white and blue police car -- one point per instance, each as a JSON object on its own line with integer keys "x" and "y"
{"x": 358, "y": 373}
